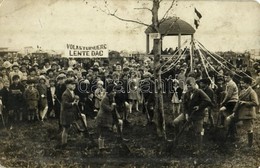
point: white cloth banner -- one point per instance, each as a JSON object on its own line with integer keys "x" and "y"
{"x": 79, "y": 51}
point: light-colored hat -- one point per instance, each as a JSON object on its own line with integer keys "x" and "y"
{"x": 86, "y": 81}
{"x": 96, "y": 64}
{"x": 42, "y": 77}
{"x": 61, "y": 76}
{"x": 7, "y": 64}
{"x": 70, "y": 69}
{"x": 100, "y": 82}
{"x": 35, "y": 64}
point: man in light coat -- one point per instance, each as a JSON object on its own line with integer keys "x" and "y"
{"x": 245, "y": 109}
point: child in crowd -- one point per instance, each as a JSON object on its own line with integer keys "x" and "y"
{"x": 4, "y": 94}
{"x": 99, "y": 94}
{"x": 176, "y": 98}
{"x": 89, "y": 106}
{"x": 51, "y": 98}
{"x": 43, "y": 105}
{"x": 31, "y": 96}
{"x": 16, "y": 99}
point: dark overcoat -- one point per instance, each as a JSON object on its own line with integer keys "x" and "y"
{"x": 68, "y": 112}
{"x": 197, "y": 98}
{"x": 105, "y": 116}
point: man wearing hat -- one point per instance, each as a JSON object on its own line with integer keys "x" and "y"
{"x": 69, "y": 110}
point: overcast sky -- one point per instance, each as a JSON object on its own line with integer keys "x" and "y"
{"x": 51, "y": 24}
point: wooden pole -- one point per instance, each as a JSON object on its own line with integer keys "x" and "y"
{"x": 147, "y": 44}
{"x": 191, "y": 53}
{"x": 179, "y": 43}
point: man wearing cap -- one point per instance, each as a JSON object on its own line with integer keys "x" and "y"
{"x": 194, "y": 103}
{"x": 244, "y": 110}
{"x": 68, "y": 112}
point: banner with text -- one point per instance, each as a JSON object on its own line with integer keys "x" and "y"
{"x": 80, "y": 51}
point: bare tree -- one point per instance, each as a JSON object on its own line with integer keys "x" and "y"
{"x": 154, "y": 11}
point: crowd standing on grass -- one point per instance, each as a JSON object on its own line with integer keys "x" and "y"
{"x": 35, "y": 90}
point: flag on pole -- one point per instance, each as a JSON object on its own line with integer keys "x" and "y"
{"x": 197, "y": 18}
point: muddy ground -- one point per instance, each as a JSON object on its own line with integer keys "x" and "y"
{"x": 36, "y": 145}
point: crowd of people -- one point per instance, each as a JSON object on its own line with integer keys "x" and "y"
{"x": 33, "y": 90}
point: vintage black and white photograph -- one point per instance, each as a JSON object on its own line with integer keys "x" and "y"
{"x": 129, "y": 83}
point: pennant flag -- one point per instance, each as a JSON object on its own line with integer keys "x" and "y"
{"x": 197, "y": 18}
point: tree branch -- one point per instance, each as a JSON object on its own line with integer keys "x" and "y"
{"x": 166, "y": 13}
{"x": 113, "y": 14}
{"x": 128, "y": 20}
{"x": 155, "y": 20}
{"x": 144, "y": 9}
